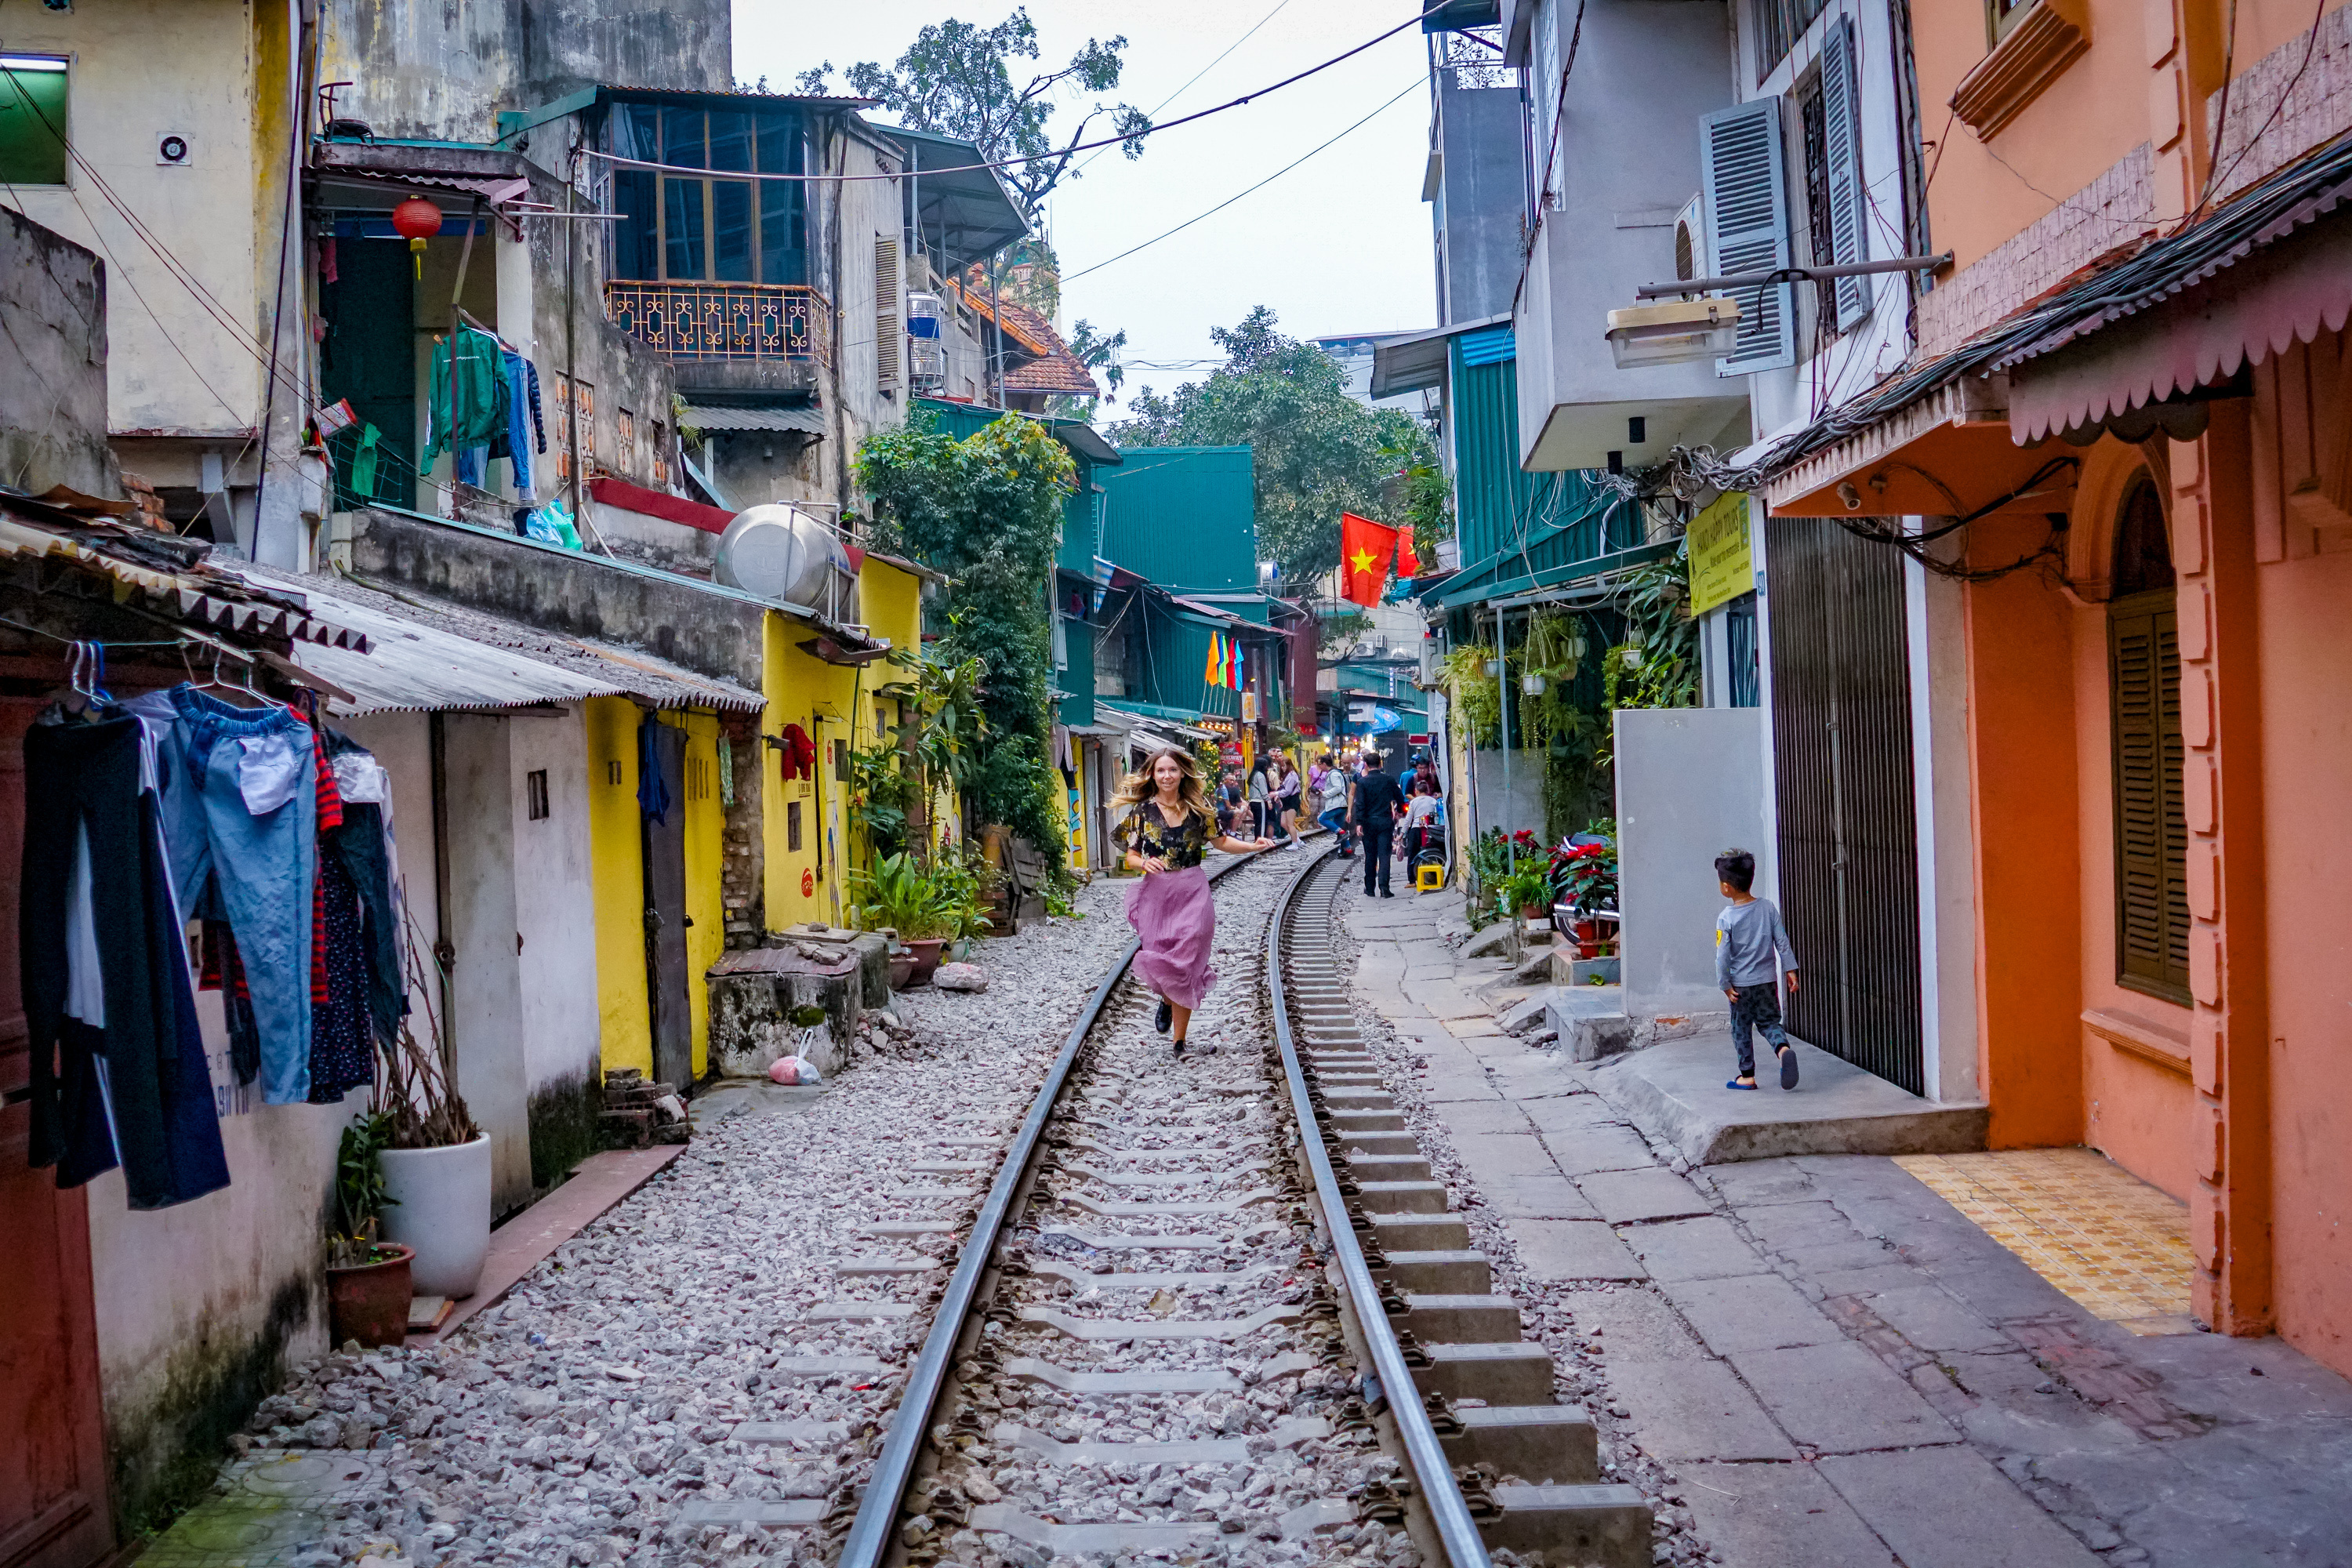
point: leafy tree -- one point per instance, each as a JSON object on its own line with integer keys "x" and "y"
{"x": 957, "y": 79}
{"x": 1317, "y": 451}
{"x": 987, "y": 510}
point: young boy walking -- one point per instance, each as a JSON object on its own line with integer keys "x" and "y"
{"x": 1748, "y": 936}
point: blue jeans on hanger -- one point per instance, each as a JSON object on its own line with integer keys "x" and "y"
{"x": 241, "y": 811}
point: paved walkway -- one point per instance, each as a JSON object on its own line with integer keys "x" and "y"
{"x": 1841, "y": 1368}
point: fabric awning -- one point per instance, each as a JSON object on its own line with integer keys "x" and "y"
{"x": 2289, "y": 281}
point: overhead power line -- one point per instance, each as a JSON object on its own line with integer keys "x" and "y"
{"x": 993, "y": 164}
{"x": 1068, "y": 278}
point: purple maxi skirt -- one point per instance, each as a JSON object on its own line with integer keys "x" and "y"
{"x": 1175, "y": 920}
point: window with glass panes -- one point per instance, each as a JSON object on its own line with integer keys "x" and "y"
{"x": 709, "y": 228}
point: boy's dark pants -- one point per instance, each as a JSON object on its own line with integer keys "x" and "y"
{"x": 1757, "y": 1008}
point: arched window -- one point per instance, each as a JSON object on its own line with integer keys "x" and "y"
{"x": 2144, "y": 700}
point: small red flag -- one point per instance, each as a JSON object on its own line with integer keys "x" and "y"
{"x": 1408, "y": 563}
{"x": 1365, "y": 550}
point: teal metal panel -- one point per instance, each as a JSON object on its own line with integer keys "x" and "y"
{"x": 1184, "y": 518}
{"x": 1077, "y": 677}
{"x": 1542, "y": 522}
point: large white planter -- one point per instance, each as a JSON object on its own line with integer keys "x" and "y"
{"x": 443, "y": 1210}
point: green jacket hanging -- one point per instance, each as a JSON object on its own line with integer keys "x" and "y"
{"x": 476, "y": 415}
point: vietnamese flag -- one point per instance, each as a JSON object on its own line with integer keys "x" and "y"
{"x": 1365, "y": 550}
{"x": 1408, "y": 563}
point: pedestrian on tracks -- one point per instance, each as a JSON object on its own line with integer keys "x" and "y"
{"x": 1257, "y": 797}
{"x": 1376, "y": 807}
{"x": 1748, "y": 935}
{"x": 1230, "y": 800}
{"x": 1331, "y": 794}
{"x": 1166, "y": 835}
{"x": 1287, "y": 789}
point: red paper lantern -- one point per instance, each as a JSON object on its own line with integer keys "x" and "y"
{"x": 416, "y": 218}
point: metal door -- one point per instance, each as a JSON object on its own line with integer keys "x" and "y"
{"x": 1841, "y": 766}
{"x": 370, "y": 358}
{"x": 53, "y": 1497}
{"x": 666, "y": 966}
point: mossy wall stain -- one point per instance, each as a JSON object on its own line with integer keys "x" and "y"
{"x": 563, "y": 1121}
{"x": 163, "y": 1451}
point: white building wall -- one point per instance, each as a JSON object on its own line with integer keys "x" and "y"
{"x": 556, "y": 910}
{"x": 485, "y": 1022}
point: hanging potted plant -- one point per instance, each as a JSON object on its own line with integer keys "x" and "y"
{"x": 436, "y": 1160}
{"x": 367, "y": 1278}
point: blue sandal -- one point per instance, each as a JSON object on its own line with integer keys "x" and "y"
{"x": 1735, "y": 1083}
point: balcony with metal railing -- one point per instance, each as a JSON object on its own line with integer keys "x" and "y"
{"x": 741, "y": 331}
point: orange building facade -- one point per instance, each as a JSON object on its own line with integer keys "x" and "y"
{"x": 2134, "y": 371}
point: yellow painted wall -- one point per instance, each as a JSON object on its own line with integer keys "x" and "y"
{"x": 617, "y": 859}
{"x": 706, "y": 826}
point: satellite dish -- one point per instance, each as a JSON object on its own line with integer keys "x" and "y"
{"x": 781, "y": 552}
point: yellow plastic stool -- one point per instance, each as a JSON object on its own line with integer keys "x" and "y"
{"x": 1428, "y": 879}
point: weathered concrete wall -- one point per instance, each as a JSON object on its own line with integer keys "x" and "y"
{"x": 555, "y": 945}
{"x": 751, "y": 998}
{"x": 1690, "y": 785}
{"x": 201, "y": 1306}
{"x": 1481, "y": 201}
{"x": 443, "y": 72}
{"x": 53, "y": 391}
{"x": 142, "y": 70}
{"x": 708, "y": 629}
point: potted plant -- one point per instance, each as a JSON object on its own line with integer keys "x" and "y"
{"x": 1527, "y": 889}
{"x": 903, "y": 899}
{"x": 435, "y": 1162}
{"x": 367, "y": 1278}
{"x": 962, "y": 882}
{"x": 1584, "y": 879}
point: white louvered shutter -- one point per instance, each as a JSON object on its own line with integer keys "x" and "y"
{"x": 886, "y": 330}
{"x": 1842, "y": 132}
{"x": 1741, "y": 164}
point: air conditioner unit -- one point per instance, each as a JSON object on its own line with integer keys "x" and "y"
{"x": 1690, "y": 238}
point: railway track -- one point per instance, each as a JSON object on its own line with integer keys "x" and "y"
{"x": 1215, "y": 1309}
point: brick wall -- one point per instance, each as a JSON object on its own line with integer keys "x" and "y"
{"x": 2315, "y": 78}
{"x": 742, "y": 865}
{"x": 2112, "y": 210}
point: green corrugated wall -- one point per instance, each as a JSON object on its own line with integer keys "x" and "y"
{"x": 1184, "y": 518}
{"x": 1554, "y": 519}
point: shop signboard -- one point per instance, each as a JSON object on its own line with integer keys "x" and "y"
{"x": 1722, "y": 564}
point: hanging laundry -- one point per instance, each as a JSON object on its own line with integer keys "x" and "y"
{"x": 653, "y": 791}
{"x": 538, "y": 426}
{"x": 470, "y": 464}
{"x": 514, "y": 442}
{"x": 239, "y": 800}
{"x": 364, "y": 845}
{"x": 220, "y": 971}
{"x": 470, "y": 396}
{"x": 118, "y": 1061}
{"x": 364, "y": 457}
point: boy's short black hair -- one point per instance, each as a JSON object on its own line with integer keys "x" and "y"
{"x": 1736, "y": 867}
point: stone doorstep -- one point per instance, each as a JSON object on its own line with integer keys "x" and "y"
{"x": 1163, "y": 1328}
{"x": 1401, "y": 1197}
{"x": 1462, "y": 1319}
{"x": 1419, "y": 1232}
{"x": 1593, "y": 1526}
{"x": 1551, "y": 1445}
{"x": 1515, "y": 1373}
{"x": 1464, "y": 1270}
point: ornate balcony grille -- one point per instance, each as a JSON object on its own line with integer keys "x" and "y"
{"x": 722, "y": 320}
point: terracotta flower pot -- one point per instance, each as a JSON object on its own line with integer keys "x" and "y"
{"x": 1588, "y": 939}
{"x": 369, "y": 1302}
{"x": 902, "y": 969}
{"x": 926, "y": 958}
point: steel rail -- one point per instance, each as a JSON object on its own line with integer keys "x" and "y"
{"x": 1457, "y": 1532}
{"x": 871, "y": 1532}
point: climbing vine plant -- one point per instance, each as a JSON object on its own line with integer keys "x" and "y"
{"x": 987, "y": 510}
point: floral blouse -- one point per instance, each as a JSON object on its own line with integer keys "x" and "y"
{"x": 1146, "y": 833}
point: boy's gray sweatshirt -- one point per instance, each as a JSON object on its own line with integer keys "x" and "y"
{"x": 1746, "y": 937}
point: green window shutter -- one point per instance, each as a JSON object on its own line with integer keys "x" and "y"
{"x": 2151, "y": 829}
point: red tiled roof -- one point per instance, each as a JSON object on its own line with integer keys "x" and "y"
{"x": 1055, "y": 368}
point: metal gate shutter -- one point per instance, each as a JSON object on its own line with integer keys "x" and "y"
{"x": 1842, "y": 763}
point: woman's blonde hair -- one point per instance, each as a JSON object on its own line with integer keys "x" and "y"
{"x": 1137, "y": 787}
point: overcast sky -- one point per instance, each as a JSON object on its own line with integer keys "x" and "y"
{"x": 1341, "y": 244}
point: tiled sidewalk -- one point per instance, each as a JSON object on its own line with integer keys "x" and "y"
{"x": 2090, "y": 1227}
{"x": 1843, "y": 1366}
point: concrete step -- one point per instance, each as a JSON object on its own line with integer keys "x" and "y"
{"x": 1463, "y": 1271}
{"x": 1345, "y": 1119}
{"x": 1519, "y": 1372}
{"x": 1378, "y": 1143}
{"x": 1596, "y": 1526}
{"x": 1401, "y": 1197}
{"x": 1419, "y": 1232}
{"x": 1388, "y": 1167}
{"x": 1462, "y": 1319}
{"x": 1549, "y": 1445}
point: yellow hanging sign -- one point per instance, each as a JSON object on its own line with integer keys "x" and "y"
{"x": 1722, "y": 566}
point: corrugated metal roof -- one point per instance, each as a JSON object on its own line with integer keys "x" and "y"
{"x": 802, "y": 420}
{"x": 1184, "y": 517}
{"x": 429, "y": 656}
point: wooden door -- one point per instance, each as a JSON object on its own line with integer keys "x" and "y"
{"x": 371, "y": 359}
{"x": 666, "y": 963}
{"x": 53, "y": 1498}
